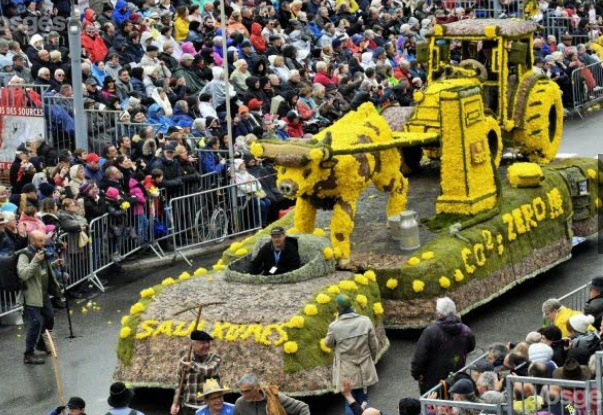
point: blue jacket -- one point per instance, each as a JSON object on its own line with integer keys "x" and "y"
{"x": 227, "y": 409}
{"x": 210, "y": 163}
{"x": 95, "y": 175}
{"x": 181, "y": 119}
{"x": 155, "y": 115}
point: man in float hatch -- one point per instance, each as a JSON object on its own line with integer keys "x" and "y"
{"x": 203, "y": 366}
{"x": 277, "y": 257}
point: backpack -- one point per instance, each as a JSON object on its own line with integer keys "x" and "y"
{"x": 9, "y": 279}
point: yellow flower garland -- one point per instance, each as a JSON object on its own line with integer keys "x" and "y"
{"x": 235, "y": 246}
{"x": 199, "y": 272}
{"x": 242, "y": 252}
{"x": 168, "y": 281}
{"x": 137, "y": 308}
{"x": 146, "y": 293}
{"x": 184, "y": 276}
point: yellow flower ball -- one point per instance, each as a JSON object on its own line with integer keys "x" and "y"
{"x": 427, "y": 255}
{"x": 124, "y": 320}
{"x": 414, "y": 261}
{"x": 218, "y": 267}
{"x": 290, "y": 347}
{"x": 322, "y": 298}
{"x": 509, "y": 125}
{"x": 592, "y": 174}
{"x": 137, "y": 308}
{"x": 310, "y": 310}
{"x": 149, "y": 292}
{"x": 371, "y": 276}
{"x": 334, "y": 290}
{"x": 323, "y": 346}
{"x": 378, "y": 309}
{"x": 501, "y": 249}
{"x": 242, "y": 252}
{"x": 200, "y": 271}
{"x": 125, "y": 332}
{"x": 168, "y": 281}
{"x": 316, "y": 154}
{"x": 361, "y": 300}
{"x": 235, "y": 246}
{"x": 438, "y": 30}
{"x": 256, "y": 149}
{"x": 348, "y": 285}
{"x": 444, "y": 282}
{"x": 458, "y": 275}
{"x": 328, "y": 253}
{"x": 361, "y": 279}
{"x": 337, "y": 253}
{"x": 392, "y": 283}
{"x": 418, "y": 286}
{"x": 184, "y": 276}
{"x": 296, "y": 322}
{"x": 418, "y": 96}
{"x": 319, "y": 232}
{"x": 490, "y": 31}
{"x": 598, "y": 203}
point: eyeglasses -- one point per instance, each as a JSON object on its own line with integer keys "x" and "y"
{"x": 60, "y": 74}
{"x": 246, "y": 391}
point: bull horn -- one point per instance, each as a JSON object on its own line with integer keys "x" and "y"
{"x": 272, "y": 150}
{"x": 328, "y": 140}
{"x": 291, "y": 160}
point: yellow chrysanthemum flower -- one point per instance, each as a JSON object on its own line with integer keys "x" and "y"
{"x": 361, "y": 300}
{"x": 324, "y": 348}
{"x": 392, "y": 283}
{"x": 125, "y": 332}
{"x": 256, "y": 149}
{"x": 418, "y": 286}
{"x": 310, "y": 310}
{"x": 137, "y": 308}
{"x": 149, "y": 292}
{"x": 218, "y": 267}
{"x": 427, "y": 255}
{"x": 316, "y": 154}
{"x": 334, "y": 290}
{"x": 242, "y": 252}
{"x": 319, "y": 232}
{"x": 361, "y": 279}
{"x": 290, "y": 347}
{"x": 444, "y": 282}
{"x": 199, "y": 272}
{"x": 322, "y": 298}
{"x": 592, "y": 174}
{"x": 348, "y": 285}
{"x": 184, "y": 276}
{"x": 168, "y": 281}
{"x": 296, "y": 322}
{"x": 378, "y": 309}
{"x": 414, "y": 261}
{"x": 235, "y": 246}
{"x": 598, "y": 203}
{"x": 371, "y": 276}
{"x": 328, "y": 253}
{"x": 458, "y": 275}
{"x": 124, "y": 320}
{"x": 337, "y": 253}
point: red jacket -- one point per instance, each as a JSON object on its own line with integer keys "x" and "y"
{"x": 324, "y": 80}
{"x": 294, "y": 130}
{"x": 257, "y": 40}
{"x": 96, "y": 48}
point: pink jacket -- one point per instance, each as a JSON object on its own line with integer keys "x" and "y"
{"x": 32, "y": 224}
{"x": 135, "y": 190}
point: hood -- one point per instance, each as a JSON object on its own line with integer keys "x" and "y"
{"x": 119, "y": 42}
{"x": 187, "y": 47}
{"x": 89, "y": 14}
{"x": 132, "y": 182}
{"x": 256, "y": 29}
{"x": 35, "y": 38}
{"x": 154, "y": 111}
{"x": 146, "y": 35}
{"x": 120, "y": 4}
{"x": 250, "y": 82}
{"x": 452, "y": 325}
{"x": 4, "y": 61}
{"x": 73, "y": 171}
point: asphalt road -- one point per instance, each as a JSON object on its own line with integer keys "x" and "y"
{"x": 87, "y": 362}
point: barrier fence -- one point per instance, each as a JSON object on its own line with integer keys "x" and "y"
{"x": 528, "y": 396}
{"x": 576, "y": 299}
{"x": 587, "y": 86}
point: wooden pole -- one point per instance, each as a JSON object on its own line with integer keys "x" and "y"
{"x": 178, "y": 392}
{"x": 47, "y": 337}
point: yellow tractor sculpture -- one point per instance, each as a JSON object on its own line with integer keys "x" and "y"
{"x": 523, "y": 109}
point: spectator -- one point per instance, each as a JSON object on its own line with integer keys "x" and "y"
{"x": 594, "y": 305}
{"x": 213, "y": 396}
{"x": 75, "y": 405}
{"x": 488, "y": 381}
{"x": 119, "y": 394}
{"x": 139, "y": 195}
{"x": 558, "y": 315}
{"x": 30, "y": 220}
{"x": 551, "y": 336}
{"x": 431, "y": 361}
{"x": 92, "y": 171}
{"x": 16, "y": 233}
{"x": 249, "y": 192}
{"x": 38, "y": 277}
{"x": 113, "y": 178}
{"x": 355, "y": 344}
{"x": 255, "y": 399}
{"x": 76, "y": 178}
{"x": 294, "y": 125}
{"x": 584, "y": 343}
{"x": 211, "y": 162}
{"x": 540, "y": 352}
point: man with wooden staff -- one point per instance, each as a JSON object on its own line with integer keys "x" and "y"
{"x": 203, "y": 365}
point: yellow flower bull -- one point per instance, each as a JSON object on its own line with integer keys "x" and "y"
{"x": 334, "y": 169}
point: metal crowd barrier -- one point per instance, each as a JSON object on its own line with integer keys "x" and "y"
{"x": 576, "y": 299}
{"x": 439, "y": 389}
{"x": 60, "y": 125}
{"x": 492, "y": 9}
{"x": 211, "y": 216}
{"x": 587, "y": 86}
{"x": 102, "y": 129}
{"x": 9, "y": 303}
{"x": 556, "y": 25}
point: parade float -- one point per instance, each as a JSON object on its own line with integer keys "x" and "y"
{"x": 485, "y": 225}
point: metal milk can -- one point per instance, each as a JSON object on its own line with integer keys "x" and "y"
{"x": 409, "y": 231}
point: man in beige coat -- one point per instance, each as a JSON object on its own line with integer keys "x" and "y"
{"x": 355, "y": 342}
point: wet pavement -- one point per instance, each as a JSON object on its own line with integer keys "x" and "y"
{"x": 87, "y": 362}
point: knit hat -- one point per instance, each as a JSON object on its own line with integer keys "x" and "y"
{"x": 152, "y": 48}
{"x": 112, "y": 193}
{"x": 243, "y": 108}
{"x": 540, "y": 352}
{"x": 580, "y": 322}
{"x": 28, "y": 188}
{"x": 533, "y": 337}
{"x": 343, "y": 301}
{"x": 85, "y": 188}
{"x": 335, "y": 43}
{"x": 292, "y": 115}
{"x": 462, "y": 387}
{"x": 357, "y": 38}
{"x": 46, "y": 189}
{"x": 92, "y": 158}
{"x": 187, "y": 57}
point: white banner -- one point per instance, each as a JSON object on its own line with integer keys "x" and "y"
{"x": 15, "y": 131}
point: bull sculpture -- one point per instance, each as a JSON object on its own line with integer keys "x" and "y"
{"x": 333, "y": 170}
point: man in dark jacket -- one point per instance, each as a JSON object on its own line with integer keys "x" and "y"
{"x": 171, "y": 168}
{"x": 277, "y": 257}
{"x": 594, "y": 306}
{"x": 442, "y": 347}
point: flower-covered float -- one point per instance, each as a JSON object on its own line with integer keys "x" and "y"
{"x": 486, "y": 226}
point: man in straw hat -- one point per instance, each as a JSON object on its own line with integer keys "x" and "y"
{"x": 213, "y": 394}
{"x": 265, "y": 400}
{"x": 203, "y": 366}
{"x": 353, "y": 337}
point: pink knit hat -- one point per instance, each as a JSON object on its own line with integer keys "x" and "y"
{"x": 112, "y": 193}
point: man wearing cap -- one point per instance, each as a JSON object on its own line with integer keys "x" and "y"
{"x": 213, "y": 395}
{"x": 278, "y": 256}
{"x": 21, "y": 70}
{"x": 194, "y": 83}
{"x": 92, "y": 170}
{"x": 171, "y": 168}
{"x": 75, "y": 406}
{"x": 203, "y": 366}
{"x": 594, "y": 305}
{"x": 353, "y": 338}
{"x": 463, "y": 390}
{"x": 246, "y": 123}
{"x": 151, "y": 60}
{"x": 27, "y": 197}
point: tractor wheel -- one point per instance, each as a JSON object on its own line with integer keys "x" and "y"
{"x": 540, "y": 136}
{"x": 411, "y": 159}
{"x": 495, "y": 142}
